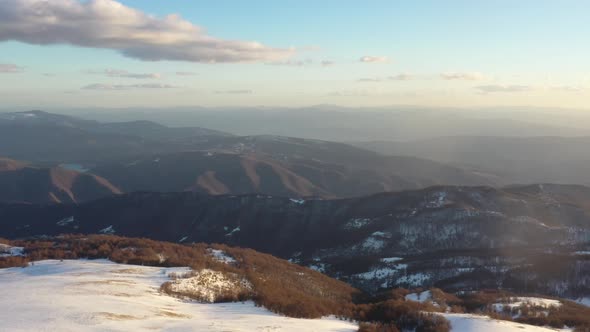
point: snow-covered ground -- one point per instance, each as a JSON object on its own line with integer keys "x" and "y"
{"x": 100, "y": 295}
{"x": 475, "y": 323}
{"x": 480, "y": 323}
{"x": 6, "y": 250}
{"x": 584, "y": 301}
{"x": 221, "y": 256}
{"x": 419, "y": 297}
{"x": 517, "y": 302}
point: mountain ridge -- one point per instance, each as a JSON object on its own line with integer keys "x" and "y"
{"x": 459, "y": 237}
{"x": 21, "y": 182}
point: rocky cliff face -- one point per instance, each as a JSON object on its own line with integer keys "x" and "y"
{"x": 530, "y": 237}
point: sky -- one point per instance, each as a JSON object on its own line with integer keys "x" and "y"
{"x": 138, "y": 53}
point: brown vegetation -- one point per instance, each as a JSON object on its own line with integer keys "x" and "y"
{"x": 406, "y": 315}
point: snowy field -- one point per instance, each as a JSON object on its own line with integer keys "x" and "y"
{"x": 479, "y": 323}
{"x": 103, "y": 296}
{"x": 474, "y": 323}
{"x": 585, "y": 301}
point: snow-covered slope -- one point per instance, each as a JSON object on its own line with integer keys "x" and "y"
{"x": 6, "y": 250}
{"x": 99, "y": 295}
{"x": 475, "y": 323}
{"x": 531, "y": 302}
{"x": 585, "y": 301}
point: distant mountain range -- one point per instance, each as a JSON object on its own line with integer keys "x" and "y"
{"x": 349, "y": 124}
{"x": 282, "y": 166}
{"x": 50, "y": 138}
{"x": 141, "y": 155}
{"x": 145, "y": 129}
{"x": 564, "y": 160}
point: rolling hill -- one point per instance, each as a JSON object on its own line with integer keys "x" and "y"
{"x": 22, "y": 183}
{"x": 282, "y": 166}
{"x": 52, "y": 138}
{"x": 145, "y": 156}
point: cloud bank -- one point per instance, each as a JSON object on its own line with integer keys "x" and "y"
{"x": 117, "y": 87}
{"x": 9, "y": 68}
{"x": 186, "y": 73}
{"x": 473, "y": 76}
{"x": 125, "y": 74}
{"x": 292, "y": 63}
{"x": 235, "y": 92}
{"x": 398, "y": 77}
{"x": 109, "y": 24}
{"x": 503, "y": 88}
{"x": 374, "y": 59}
{"x": 568, "y": 88}
{"x": 401, "y": 77}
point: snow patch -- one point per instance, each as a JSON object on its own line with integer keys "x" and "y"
{"x": 108, "y": 230}
{"x": 391, "y": 259}
{"x": 472, "y": 323}
{"x": 419, "y": 297}
{"x": 319, "y": 267}
{"x": 414, "y": 280}
{"x": 373, "y": 243}
{"x": 584, "y": 301}
{"x": 65, "y": 221}
{"x": 357, "y": 223}
{"x": 437, "y": 200}
{"x": 382, "y": 272}
{"x": 235, "y": 230}
{"x": 297, "y": 201}
{"x": 221, "y": 256}
{"x": 535, "y": 302}
{"x": 8, "y": 251}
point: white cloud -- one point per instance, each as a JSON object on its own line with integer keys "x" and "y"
{"x": 401, "y": 77}
{"x": 369, "y": 80}
{"x": 116, "y": 87}
{"x": 469, "y": 76}
{"x": 8, "y": 68}
{"x": 186, "y": 73}
{"x": 327, "y": 63}
{"x": 503, "y": 88}
{"x": 374, "y": 59}
{"x": 111, "y": 25}
{"x": 291, "y": 63}
{"x": 398, "y": 77}
{"x": 568, "y": 88}
{"x": 235, "y": 92}
{"x": 126, "y": 74}
{"x": 301, "y": 63}
{"x": 365, "y": 92}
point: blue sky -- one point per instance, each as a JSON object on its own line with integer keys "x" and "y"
{"x": 432, "y": 53}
